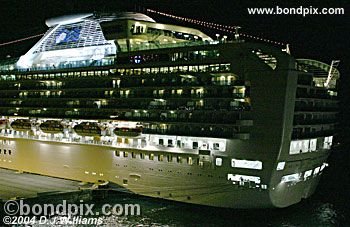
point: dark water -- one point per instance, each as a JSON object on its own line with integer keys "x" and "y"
{"x": 322, "y": 209}
{"x": 317, "y": 211}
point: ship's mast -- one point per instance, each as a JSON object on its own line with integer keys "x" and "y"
{"x": 237, "y": 32}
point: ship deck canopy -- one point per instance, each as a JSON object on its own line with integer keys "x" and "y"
{"x": 322, "y": 72}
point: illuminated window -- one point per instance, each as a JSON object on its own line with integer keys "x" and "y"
{"x": 328, "y": 142}
{"x": 189, "y": 160}
{"x": 313, "y": 144}
{"x": 243, "y": 178}
{"x": 280, "y": 165}
{"x": 200, "y": 162}
{"x": 160, "y": 157}
{"x": 317, "y": 170}
{"x": 299, "y": 146}
{"x": 324, "y": 165}
{"x": 295, "y": 177}
{"x": 246, "y": 164}
{"x": 307, "y": 174}
{"x": 179, "y": 92}
{"x": 218, "y": 161}
{"x": 151, "y": 156}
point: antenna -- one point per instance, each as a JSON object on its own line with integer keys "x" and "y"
{"x": 237, "y": 32}
{"x": 331, "y": 72}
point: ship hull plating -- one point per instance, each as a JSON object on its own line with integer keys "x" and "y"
{"x": 168, "y": 180}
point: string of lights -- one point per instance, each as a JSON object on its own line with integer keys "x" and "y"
{"x": 220, "y": 27}
{"x": 20, "y": 40}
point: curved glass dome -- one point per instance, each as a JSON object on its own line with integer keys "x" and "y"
{"x": 123, "y": 16}
{"x": 100, "y": 17}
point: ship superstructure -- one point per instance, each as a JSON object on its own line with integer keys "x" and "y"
{"x": 166, "y": 111}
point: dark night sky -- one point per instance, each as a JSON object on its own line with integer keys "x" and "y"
{"x": 319, "y": 37}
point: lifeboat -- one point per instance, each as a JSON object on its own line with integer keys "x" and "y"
{"x": 124, "y": 131}
{"x": 51, "y": 126}
{"x": 23, "y": 125}
{"x": 3, "y": 123}
{"x": 88, "y": 129}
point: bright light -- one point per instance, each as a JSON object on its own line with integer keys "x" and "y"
{"x": 324, "y": 165}
{"x": 295, "y": 177}
{"x": 280, "y": 165}
{"x": 307, "y": 174}
{"x": 246, "y": 178}
{"x": 246, "y": 164}
{"x": 218, "y": 161}
{"x": 317, "y": 170}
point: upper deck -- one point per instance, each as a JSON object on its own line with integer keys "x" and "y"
{"x": 85, "y": 40}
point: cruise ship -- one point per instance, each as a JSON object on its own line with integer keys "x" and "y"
{"x": 167, "y": 111}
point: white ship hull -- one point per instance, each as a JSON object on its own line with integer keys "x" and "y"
{"x": 173, "y": 181}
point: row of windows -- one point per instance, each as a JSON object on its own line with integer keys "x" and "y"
{"x": 313, "y": 132}
{"x": 198, "y": 92}
{"x": 235, "y": 163}
{"x": 9, "y": 152}
{"x": 313, "y": 118}
{"x": 171, "y": 34}
{"x": 310, "y": 145}
{"x": 316, "y": 106}
{"x": 6, "y": 142}
{"x": 54, "y": 75}
{"x": 307, "y": 92}
{"x": 168, "y": 158}
{"x": 179, "y": 56}
{"x": 175, "y": 84}
{"x": 151, "y": 156}
{"x": 224, "y": 67}
{"x": 175, "y": 109}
